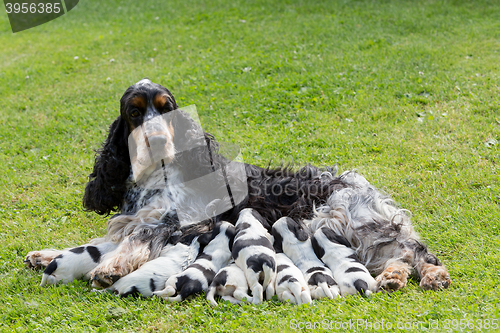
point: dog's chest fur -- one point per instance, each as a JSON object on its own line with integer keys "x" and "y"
{"x": 165, "y": 190}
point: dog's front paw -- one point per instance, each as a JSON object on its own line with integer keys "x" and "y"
{"x": 121, "y": 260}
{"x": 105, "y": 279}
{"x": 435, "y": 278}
{"x": 40, "y": 259}
{"x": 110, "y": 271}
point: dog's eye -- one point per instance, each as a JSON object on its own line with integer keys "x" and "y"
{"x": 135, "y": 113}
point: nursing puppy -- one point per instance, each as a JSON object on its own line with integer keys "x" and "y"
{"x": 253, "y": 252}
{"x": 290, "y": 283}
{"x": 291, "y": 239}
{"x": 152, "y": 275}
{"x": 200, "y": 274}
{"x": 76, "y": 263}
{"x": 230, "y": 283}
{"x": 336, "y": 252}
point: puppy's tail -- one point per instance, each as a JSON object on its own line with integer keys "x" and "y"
{"x": 326, "y": 290}
{"x": 269, "y": 280}
{"x": 231, "y": 299}
{"x": 44, "y": 279}
{"x": 175, "y": 299}
{"x": 211, "y": 295}
{"x": 306, "y": 297}
{"x": 168, "y": 291}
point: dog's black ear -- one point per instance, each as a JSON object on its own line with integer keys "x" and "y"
{"x": 204, "y": 239}
{"x": 107, "y": 183}
{"x": 319, "y": 251}
{"x": 335, "y": 238}
{"x": 297, "y": 229}
{"x": 278, "y": 241}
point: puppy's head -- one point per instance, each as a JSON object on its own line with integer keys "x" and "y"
{"x": 252, "y": 218}
{"x": 290, "y": 230}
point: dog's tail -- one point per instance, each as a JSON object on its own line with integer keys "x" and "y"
{"x": 269, "y": 280}
{"x": 211, "y": 295}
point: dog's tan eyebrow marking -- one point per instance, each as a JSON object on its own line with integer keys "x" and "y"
{"x": 160, "y": 100}
{"x": 138, "y": 102}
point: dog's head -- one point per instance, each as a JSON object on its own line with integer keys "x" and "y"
{"x": 147, "y": 108}
{"x": 144, "y": 101}
{"x": 141, "y": 108}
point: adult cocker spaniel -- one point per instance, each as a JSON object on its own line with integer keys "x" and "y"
{"x": 171, "y": 184}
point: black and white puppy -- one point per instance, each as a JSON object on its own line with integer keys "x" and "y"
{"x": 290, "y": 283}
{"x": 200, "y": 274}
{"x": 336, "y": 252}
{"x": 76, "y": 263}
{"x": 230, "y": 283}
{"x": 253, "y": 252}
{"x": 291, "y": 239}
{"x": 152, "y": 275}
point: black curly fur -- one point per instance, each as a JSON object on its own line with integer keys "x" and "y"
{"x": 107, "y": 182}
{"x": 279, "y": 192}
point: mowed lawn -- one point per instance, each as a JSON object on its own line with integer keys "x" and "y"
{"x": 406, "y": 92}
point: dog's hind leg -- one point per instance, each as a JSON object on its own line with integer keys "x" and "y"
{"x": 40, "y": 259}
{"x": 394, "y": 276}
{"x": 414, "y": 257}
{"x": 433, "y": 275}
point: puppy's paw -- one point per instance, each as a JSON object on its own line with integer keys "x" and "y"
{"x": 324, "y": 291}
{"x": 287, "y": 296}
{"x": 293, "y": 292}
{"x": 257, "y": 294}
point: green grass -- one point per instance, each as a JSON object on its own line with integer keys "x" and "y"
{"x": 406, "y": 92}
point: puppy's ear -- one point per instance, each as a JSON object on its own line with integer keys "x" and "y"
{"x": 204, "y": 239}
{"x": 334, "y": 237}
{"x": 230, "y": 233}
{"x": 318, "y": 249}
{"x": 297, "y": 228}
{"x": 278, "y": 241}
{"x": 107, "y": 182}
